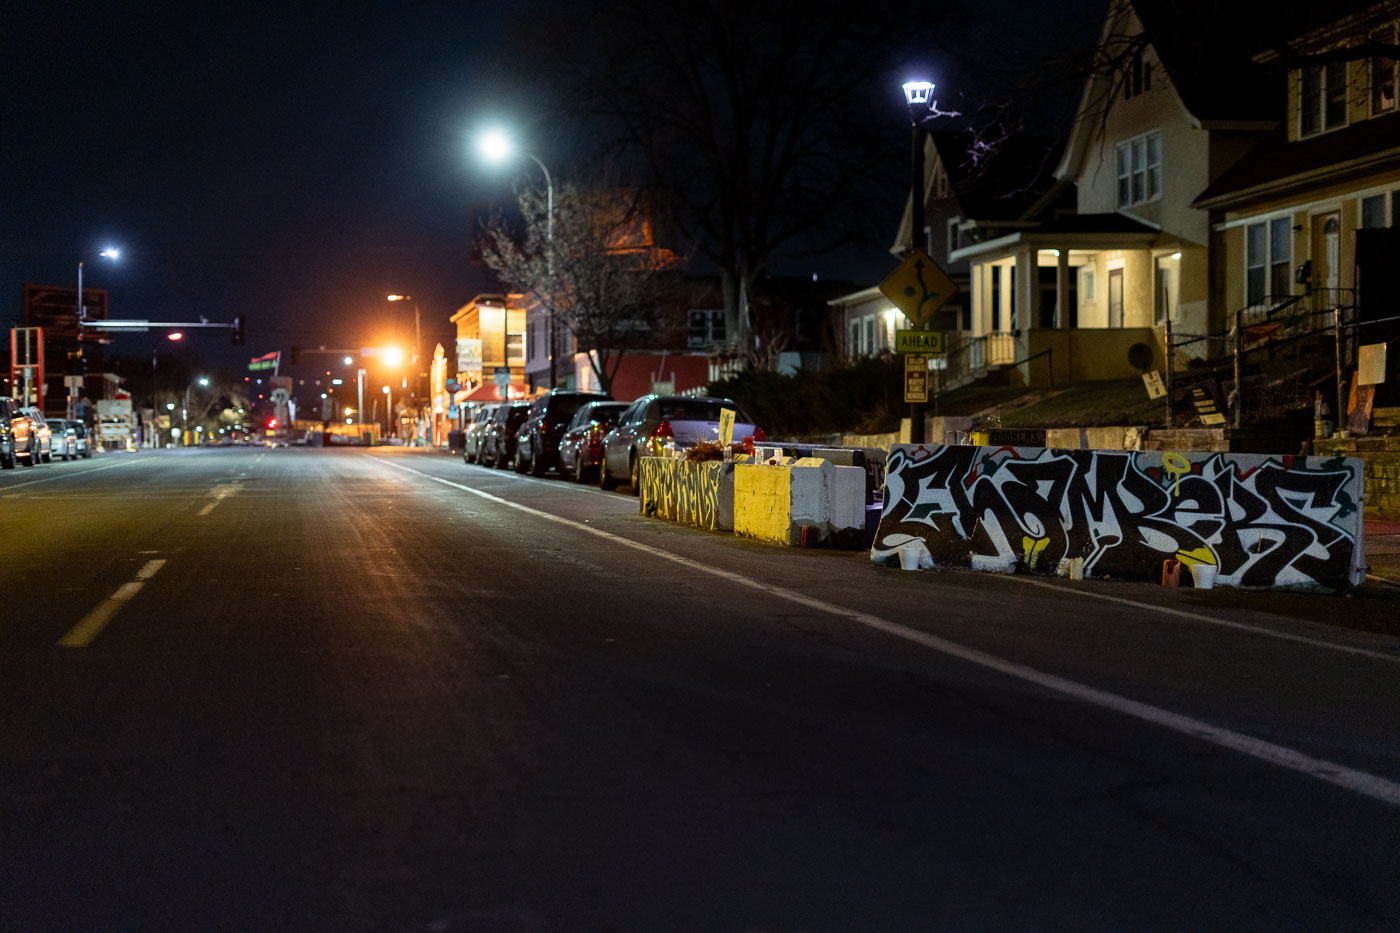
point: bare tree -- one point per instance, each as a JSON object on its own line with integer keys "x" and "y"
{"x": 772, "y": 126}
{"x": 600, "y": 275}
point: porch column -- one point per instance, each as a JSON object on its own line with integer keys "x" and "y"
{"x": 1028, "y": 260}
{"x": 1062, "y": 315}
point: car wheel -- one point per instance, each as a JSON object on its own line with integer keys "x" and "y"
{"x": 632, "y": 470}
{"x": 578, "y": 468}
{"x": 537, "y": 465}
{"x": 518, "y": 464}
{"x": 501, "y": 462}
{"x": 7, "y": 462}
{"x": 48, "y": 458}
{"x": 605, "y": 480}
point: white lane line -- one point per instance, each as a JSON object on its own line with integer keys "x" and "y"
{"x": 208, "y": 508}
{"x": 219, "y": 494}
{"x": 1210, "y": 620}
{"x": 54, "y": 479}
{"x": 1352, "y": 779}
{"x": 82, "y": 634}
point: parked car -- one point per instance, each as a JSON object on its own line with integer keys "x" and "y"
{"x": 84, "y": 438}
{"x": 26, "y": 438}
{"x": 9, "y": 454}
{"x": 655, "y": 420}
{"x": 581, "y": 446}
{"x": 537, "y": 444}
{"x": 63, "y": 443}
{"x": 42, "y": 432}
{"x": 498, "y": 442}
{"x": 476, "y": 430}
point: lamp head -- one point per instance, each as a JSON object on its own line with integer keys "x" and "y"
{"x": 917, "y": 93}
{"x": 111, "y": 252}
{"x": 400, "y": 297}
{"x": 495, "y": 146}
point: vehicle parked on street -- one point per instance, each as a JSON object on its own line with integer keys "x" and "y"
{"x": 581, "y": 446}
{"x": 476, "y": 431}
{"x": 84, "y": 439}
{"x": 25, "y": 438}
{"x": 63, "y": 442}
{"x": 537, "y": 444}
{"x": 42, "y": 432}
{"x": 654, "y": 421}
{"x": 498, "y": 443}
{"x": 8, "y": 457}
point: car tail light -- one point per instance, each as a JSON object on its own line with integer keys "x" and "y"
{"x": 758, "y": 434}
{"x": 595, "y": 439}
{"x": 662, "y": 430}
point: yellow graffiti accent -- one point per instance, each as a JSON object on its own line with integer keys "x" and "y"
{"x": 1201, "y": 555}
{"x": 1032, "y": 547}
{"x": 1176, "y": 465}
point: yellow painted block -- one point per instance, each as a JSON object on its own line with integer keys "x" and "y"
{"x": 763, "y": 502}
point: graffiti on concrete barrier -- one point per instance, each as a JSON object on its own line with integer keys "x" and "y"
{"x": 681, "y": 491}
{"x": 1261, "y": 521}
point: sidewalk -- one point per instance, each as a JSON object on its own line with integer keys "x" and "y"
{"x": 1382, "y": 551}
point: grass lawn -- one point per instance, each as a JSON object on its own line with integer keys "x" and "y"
{"x": 1089, "y": 405}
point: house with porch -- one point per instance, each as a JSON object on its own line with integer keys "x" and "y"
{"x": 1305, "y": 229}
{"x": 1089, "y": 293}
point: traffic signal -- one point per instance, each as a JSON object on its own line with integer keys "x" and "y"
{"x": 238, "y": 331}
{"x": 272, "y": 424}
{"x": 296, "y": 354}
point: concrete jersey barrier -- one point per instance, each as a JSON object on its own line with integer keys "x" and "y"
{"x": 1260, "y": 521}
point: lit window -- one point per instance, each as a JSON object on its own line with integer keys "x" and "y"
{"x": 1140, "y": 170}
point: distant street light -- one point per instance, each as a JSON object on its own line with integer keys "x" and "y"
{"x": 185, "y": 412}
{"x": 108, "y": 253}
{"x": 918, "y": 95}
{"x": 496, "y": 148}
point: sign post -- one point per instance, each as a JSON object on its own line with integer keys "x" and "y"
{"x": 919, "y": 287}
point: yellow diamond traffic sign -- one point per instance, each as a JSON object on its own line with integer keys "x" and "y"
{"x": 919, "y": 287}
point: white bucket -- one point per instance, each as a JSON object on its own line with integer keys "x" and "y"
{"x": 1203, "y": 576}
{"x": 909, "y": 557}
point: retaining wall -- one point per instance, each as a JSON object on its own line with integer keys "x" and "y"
{"x": 1261, "y": 520}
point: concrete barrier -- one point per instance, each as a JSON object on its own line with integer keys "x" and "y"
{"x": 699, "y": 494}
{"x": 1261, "y": 521}
{"x": 774, "y": 500}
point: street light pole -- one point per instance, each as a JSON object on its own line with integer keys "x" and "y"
{"x": 917, "y": 95}
{"x": 108, "y": 253}
{"x": 496, "y": 146}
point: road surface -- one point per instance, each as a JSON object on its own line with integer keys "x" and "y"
{"x": 383, "y": 690}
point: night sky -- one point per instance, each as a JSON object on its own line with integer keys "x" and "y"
{"x": 290, "y": 163}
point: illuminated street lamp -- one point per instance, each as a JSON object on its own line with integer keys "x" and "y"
{"x": 185, "y": 412}
{"x": 496, "y": 147}
{"x": 918, "y": 95}
{"x": 108, "y": 253}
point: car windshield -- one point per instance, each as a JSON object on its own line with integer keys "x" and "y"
{"x": 698, "y": 409}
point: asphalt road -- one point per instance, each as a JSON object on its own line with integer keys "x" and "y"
{"x": 295, "y": 689}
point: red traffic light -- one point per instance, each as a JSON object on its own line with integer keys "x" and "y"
{"x": 271, "y": 424}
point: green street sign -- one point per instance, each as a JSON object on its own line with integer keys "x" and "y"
{"x": 919, "y": 341}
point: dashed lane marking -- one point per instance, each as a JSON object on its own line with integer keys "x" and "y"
{"x": 1352, "y": 779}
{"x": 88, "y": 628}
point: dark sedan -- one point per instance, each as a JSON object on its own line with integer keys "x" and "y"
{"x": 498, "y": 440}
{"x": 537, "y": 449}
{"x": 581, "y": 447}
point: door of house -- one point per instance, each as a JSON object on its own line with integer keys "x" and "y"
{"x": 1327, "y": 250}
{"x": 1115, "y": 297}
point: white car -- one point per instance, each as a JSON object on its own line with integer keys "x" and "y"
{"x": 64, "y": 441}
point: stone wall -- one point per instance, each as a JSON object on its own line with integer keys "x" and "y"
{"x": 1381, "y": 456}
